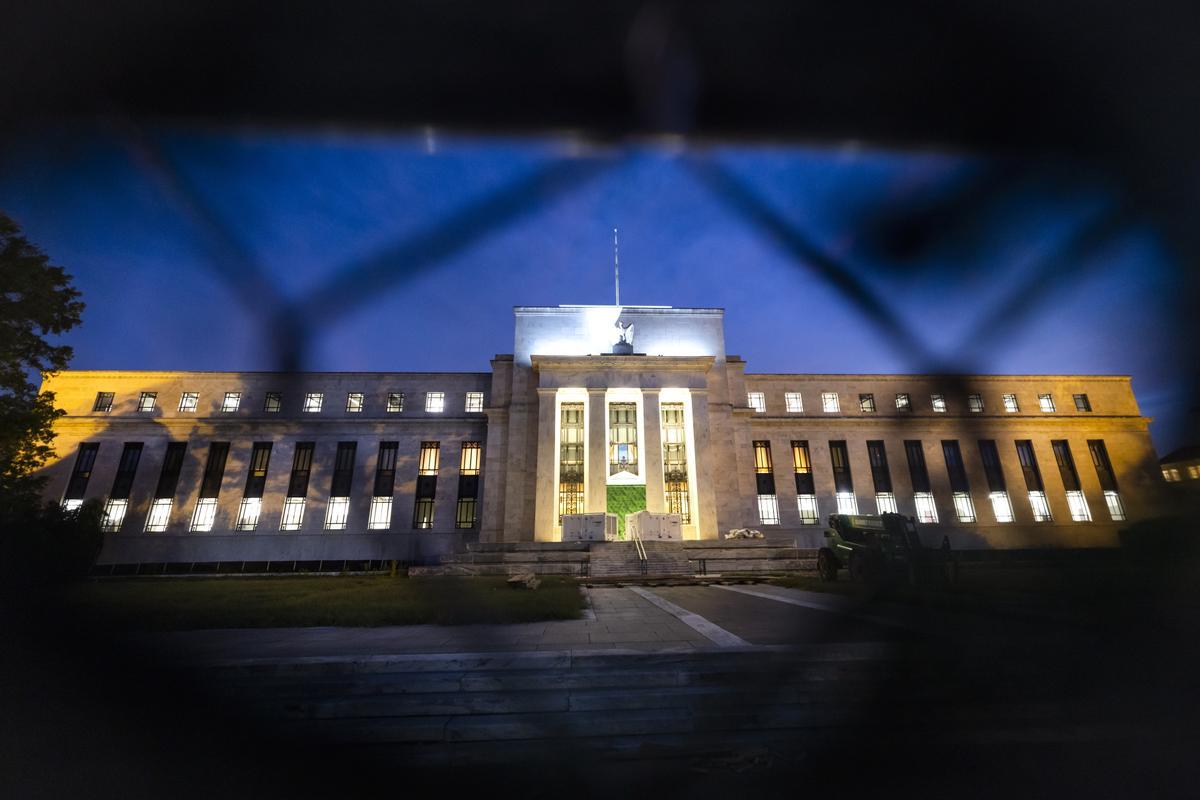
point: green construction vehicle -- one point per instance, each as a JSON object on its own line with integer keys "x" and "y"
{"x": 879, "y": 549}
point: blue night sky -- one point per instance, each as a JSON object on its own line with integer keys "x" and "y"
{"x": 305, "y": 204}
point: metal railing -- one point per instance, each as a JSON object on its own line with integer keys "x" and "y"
{"x": 641, "y": 549}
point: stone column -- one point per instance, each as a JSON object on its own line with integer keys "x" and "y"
{"x": 596, "y": 454}
{"x": 544, "y": 515}
{"x": 652, "y": 453}
{"x": 706, "y": 513}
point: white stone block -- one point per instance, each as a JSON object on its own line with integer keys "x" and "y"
{"x": 589, "y": 527}
{"x": 655, "y": 527}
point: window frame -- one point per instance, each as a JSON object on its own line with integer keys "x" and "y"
{"x": 143, "y": 397}
{"x": 395, "y": 403}
{"x": 313, "y": 402}
{"x": 104, "y": 402}
{"x": 975, "y": 404}
{"x": 937, "y": 402}
{"x": 1046, "y": 403}
{"x": 230, "y": 408}
{"x": 355, "y": 402}
{"x": 825, "y": 403}
{"x": 1011, "y": 404}
{"x": 757, "y": 401}
{"x": 866, "y": 403}
{"x": 186, "y": 407}
{"x": 435, "y": 402}
{"x": 1082, "y": 403}
{"x": 903, "y": 402}
{"x": 796, "y": 407}
{"x": 470, "y": 407}
{"x": 273, "y": 403}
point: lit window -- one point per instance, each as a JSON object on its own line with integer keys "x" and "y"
{"x": 926, "y": 508}
{"x": 313, "y": 402}
{"x": 939, "y": 403}
{"x": 72, "y": 505}
{"x": 474, "y": 403}
{"x": 903, "y": 402}
{"x": 205, "y": 513}
{"x": 380, "y": 518}
{"x": 354, "y": 402}
{"x": 159, "y": 516}
{"x": 1001, "y": 506}
{"x": 423, "y": 513}
{"x": 1041, "y": 509}
{"x": 395, "y": 402}
{"x": 1010, "y": 404}
{"x": 1079, "y": 507}
{"x": 795, "y": 404}
{"x": 1116, "y": 509}
{"x": 114, "y": 514}
{"x": 188, "y": 401}
{"x": 807, "y": 503}
{"x": 469, "y": 461}
{"x": 430, "y": 456}
{"x": 963, "y": 507}
{"x": 293, "y": 514}
{"x": 1082, "y": 403}
{"x": 146, "y": 401}
{"x": 273, "y": 403}
{"x": 866, "y": 403}
{"x": 435, "y": 402}
{"x": 1193, "y": 472}
{"x": 829, "y": 403}
{"x": 768, "y": 509}
{"x": 975, "y": 403}
{"x": 231, "y": 403}
{"x": 104, "y": 401}
{"x": 1171, "y": 474}
{"x": 885, "y": 503}
{"x": 248, "y": 513}
{"x": 1046, "y": 403}
{"x": 757, "y": 401}
{"x": 847, "y": 503}
{"x": 336, "y": 513}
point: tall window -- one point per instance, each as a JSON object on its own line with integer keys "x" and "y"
{"x": 337, "y": 511}
{"x": 903, "y": 402}
{"x": 188, "y": 401}
{"x": 806, "y": 498}
{"x": 210, "y": 487}
{"x": 1046, "y": 403}
{"x": 380, "y": 517}
{"x": 1108, "y": 479}
{"x": 938, "y": 401}
{"x": 435, "y": 402}
{"x": 104, "y": 401}
{"x": 474, "y": 403}
{"x": 829, "y": 403}
{"x": 914, "y": 452}
{"x": 293, "y": 504}
{"x": 231, "y": 403}
{"x": 1033, "y": 481}
{"x": 675, "y": 468}
{"x": 1082, "y": 403}
{"x": 313, "y": 402}
{"x": 164, "y": 492}
{"x": 1076, "y": 502}
{"x": 469, "y": 466}
{"x": 622, "y": 439}
{"x": 147, "y": 400}
{"x": 768, "y": 504}
{"x": 354, "y": 402}
{"x": 757, "y": 401}
{"x": 256, "y": 481}
{"x": 885, "y": 498}
{"x": 768, "y": 509}
{"x": 964, "y": 507}
{"x": 866, "y": 403}
{"x": 975, "y": 403}
{"x": 1010, "y": 404}
{"x": 395, "y": 402}
{"x": 273, "y": 402}
{"x": 794, "y": 402}
{"x": 427, "y": 472}
{"x": 843, "y": 483}
{"x": 118, "y": 497}
{"x": 570, "y": 459}
{"x": 997, "y": 489}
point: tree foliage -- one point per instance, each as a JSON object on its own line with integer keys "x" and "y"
{"x": 37, "y": 300}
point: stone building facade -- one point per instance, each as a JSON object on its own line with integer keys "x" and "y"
{"x": 598, "y": 408}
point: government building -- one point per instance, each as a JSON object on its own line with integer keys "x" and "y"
{"x": 598, "y": 409}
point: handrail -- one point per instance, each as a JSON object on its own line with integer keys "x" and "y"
{"x": 641, "y": 549}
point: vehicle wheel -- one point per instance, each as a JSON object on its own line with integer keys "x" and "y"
{"x": 827, "y": 565}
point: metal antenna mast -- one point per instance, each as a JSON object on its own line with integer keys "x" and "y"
{"x": 617, "y": 265}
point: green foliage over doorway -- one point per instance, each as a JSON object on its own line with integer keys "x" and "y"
{"x": 624, "y": 500}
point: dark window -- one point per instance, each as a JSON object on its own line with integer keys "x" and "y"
{"x": 256, "y": 477}
{"x": 301, "y": 467}
{"x": 991, "y": 465}
{"x": 273, "y": 403}
{"x": 840, "y": 458}
{"x": 168, "y": 479}
{"x": 877, "y": 453}
{"x": 468, "y": 477}
{"x": 385, "y": 469}
{"x": 343, "y": 469}
{"x": 104, "y": 401}
{"x": 866, "y": 403}
{"x": 84, "y": 462}
{"x": 1029, "y": 466}
{"x": 423, "y": 512}
{"x": 1104, "y": 470}
{"x": 464, "y": 516}
{"x": 214, "y": 470}
{"x": 802, "y": 463}
{"x": 1066, "y": 464}
{"x": 915, "y": 454}
{"x": 1082, "y": 403}
{"x": 764, "y": 477}
{"x": 126, "y": 469}
{"x": 954, "y": 466}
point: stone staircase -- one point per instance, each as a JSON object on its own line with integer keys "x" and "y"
{"x": 512, "y": 558}
{"x": 620, "y": 560}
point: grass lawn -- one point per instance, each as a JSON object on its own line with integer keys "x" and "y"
{"x": 297, "y": 601}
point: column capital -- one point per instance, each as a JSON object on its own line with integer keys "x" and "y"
{"x": 544, "y": 391}
{"x": 594, "y": 390}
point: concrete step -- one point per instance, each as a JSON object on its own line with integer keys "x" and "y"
{"x": 551, "y": 557}
{"x": 525, "y": 547}
{"x": 520, "y": 568}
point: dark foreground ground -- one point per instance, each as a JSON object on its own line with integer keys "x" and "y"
{"x": 1075, "y": 684}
